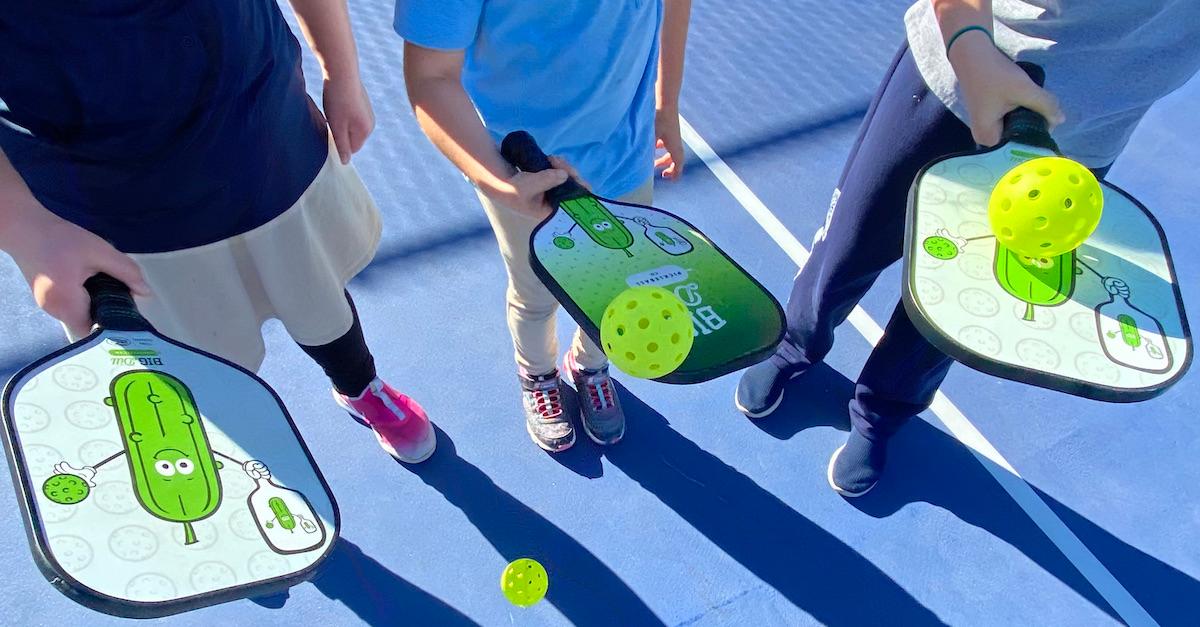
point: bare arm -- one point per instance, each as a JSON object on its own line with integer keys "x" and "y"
{"x": 672, "y": 45}
{"x": 55, "y": 256}
{"x": 448, "y": 117}
{"x": 992, "y": 85}
{"x": 326, "y": 27}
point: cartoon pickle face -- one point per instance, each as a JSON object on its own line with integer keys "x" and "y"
{"x": 599, "y": 223}
{"x": 173, "y": 470}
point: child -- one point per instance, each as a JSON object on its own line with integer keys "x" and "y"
{"x": 172, "y": 145}
{"x": 946, "y": 91}
{"x": 581, "y": 77}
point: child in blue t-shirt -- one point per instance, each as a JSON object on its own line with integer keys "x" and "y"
{"x": 947, "y": 90}
{"x": 594, "y": 81}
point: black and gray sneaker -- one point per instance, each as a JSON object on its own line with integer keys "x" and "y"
{"x": 545, "y": 420}
{"x": 603, "y": 419}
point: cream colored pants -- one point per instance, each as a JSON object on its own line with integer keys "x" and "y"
{"x": 531, "y": 306}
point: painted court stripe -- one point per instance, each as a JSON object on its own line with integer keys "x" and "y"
{"x": 1067, "y": 542}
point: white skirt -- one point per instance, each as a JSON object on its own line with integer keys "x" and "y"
{"x": 294, "y": 268}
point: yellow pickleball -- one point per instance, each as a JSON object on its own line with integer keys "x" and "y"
{"x": 1045, "y": 207}
{"x": 646, "y": 331}
{"x": 524, "y": 582}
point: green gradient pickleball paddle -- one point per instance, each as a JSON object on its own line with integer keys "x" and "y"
{"x": 1020, "y": 264}
{"x": 155, "y": 478}
{"x": 590, "y": 249}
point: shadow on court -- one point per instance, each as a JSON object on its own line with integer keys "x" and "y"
{"x": 377, "y": 595}
{"x": 927, "y": 465}
{"x": 585, "y": 590}
{"x": 806, "y": 564}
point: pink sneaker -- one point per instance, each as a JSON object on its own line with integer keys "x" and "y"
{"x": 399, "y": 423}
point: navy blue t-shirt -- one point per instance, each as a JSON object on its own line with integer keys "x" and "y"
{"x": 158, "y": 125}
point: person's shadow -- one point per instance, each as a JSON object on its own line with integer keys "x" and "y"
{"x": 810, "y": 567}
{"x": 925, "y": 465}
{"x": 585, "y": 590}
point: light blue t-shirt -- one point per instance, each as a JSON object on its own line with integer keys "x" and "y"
{"x": 578, "y": 75}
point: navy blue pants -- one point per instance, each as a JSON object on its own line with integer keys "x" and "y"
{"x": 905, "y": 128}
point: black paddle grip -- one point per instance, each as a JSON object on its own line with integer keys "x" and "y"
{"x": 521, "y": 150}
{"x": 1027, "y": 126}
{"x": 112, "y": 305}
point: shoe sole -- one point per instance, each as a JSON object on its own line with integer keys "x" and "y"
{"x": 829, "y": 477}
{"x": 601, "y": 442}
{"x": 546, "y": 447}
{"x": 768, "y": 411}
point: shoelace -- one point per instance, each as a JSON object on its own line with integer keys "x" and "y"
{"x": 547, "y": 403}
{"x": 600, "y": 394}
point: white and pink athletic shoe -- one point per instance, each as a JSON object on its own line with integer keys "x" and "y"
{"x": 399, "y": 423}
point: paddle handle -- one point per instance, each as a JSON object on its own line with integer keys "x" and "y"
{"x": 1027, "y": 126}
{"x": 521, "y": 150}
{"x": 112, "y": 305}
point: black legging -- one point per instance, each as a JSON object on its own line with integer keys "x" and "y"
{"x": 347, "y": 360}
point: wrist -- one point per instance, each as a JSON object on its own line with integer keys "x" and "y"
{"x": 969, "y": 51}
{"x": 23, "y": 224}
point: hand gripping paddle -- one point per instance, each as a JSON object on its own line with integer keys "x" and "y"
{"x": 155, "y": 478}
{"x": 1104, "y": 321}
{"x": 590, "y": 249}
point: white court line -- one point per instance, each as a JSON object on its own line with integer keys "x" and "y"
{"x": 1055, "y": 529}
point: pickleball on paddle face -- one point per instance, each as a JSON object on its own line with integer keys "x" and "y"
{"x": 591, "y": 249}
{"x": 1090, "y": 308}
{"x": 128, "y": 450}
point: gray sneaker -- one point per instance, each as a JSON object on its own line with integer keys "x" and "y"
{"x": 603, "y": 419}
{"x": 545, "y": 420}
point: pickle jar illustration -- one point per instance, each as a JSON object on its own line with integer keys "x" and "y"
{"x": 666, "y": 238}
{"x": 284, "y": 516}
{"x": 1129, "y": 335}
{"x": 599, "y": 223}
{"x": 173, "y": 470}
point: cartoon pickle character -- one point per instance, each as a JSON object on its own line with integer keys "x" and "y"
{"x": 1037, "y": 282}
{"x": 172, "y": 467}
{"x": 599, "y": 223}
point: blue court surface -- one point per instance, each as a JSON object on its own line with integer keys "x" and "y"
{"x": 1005, "y": 504}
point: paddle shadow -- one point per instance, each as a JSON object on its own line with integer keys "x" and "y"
{"x": 585, "y": 590}
{"x": 927, "y": 465}
{"x": 377, "y": 595}
{"x": 806, "y": 564}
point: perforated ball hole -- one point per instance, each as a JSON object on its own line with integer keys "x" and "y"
{"x": 652, "y": 347}
{"x": 644, "y": 323}
{"x": 1034, "y": 193}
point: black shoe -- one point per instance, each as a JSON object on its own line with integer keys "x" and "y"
{"x": 760, "y": 390}
{"x": 857, "y": 465}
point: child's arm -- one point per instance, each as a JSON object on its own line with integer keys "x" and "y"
{"x": 992, "y": 85}
{"x": 446, "y": 114}
{"x": 326, "y": 26}
{"x": 56, "y": 256}
{"x": 676, "y": 14}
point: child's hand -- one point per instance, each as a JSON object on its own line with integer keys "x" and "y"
{"x": 525, "y": 192}
{"x": 992, "y": 85}
{"x": 348, "y": 110}
{"x": 666, "y": 130}
{"x": 56, "y": 257}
